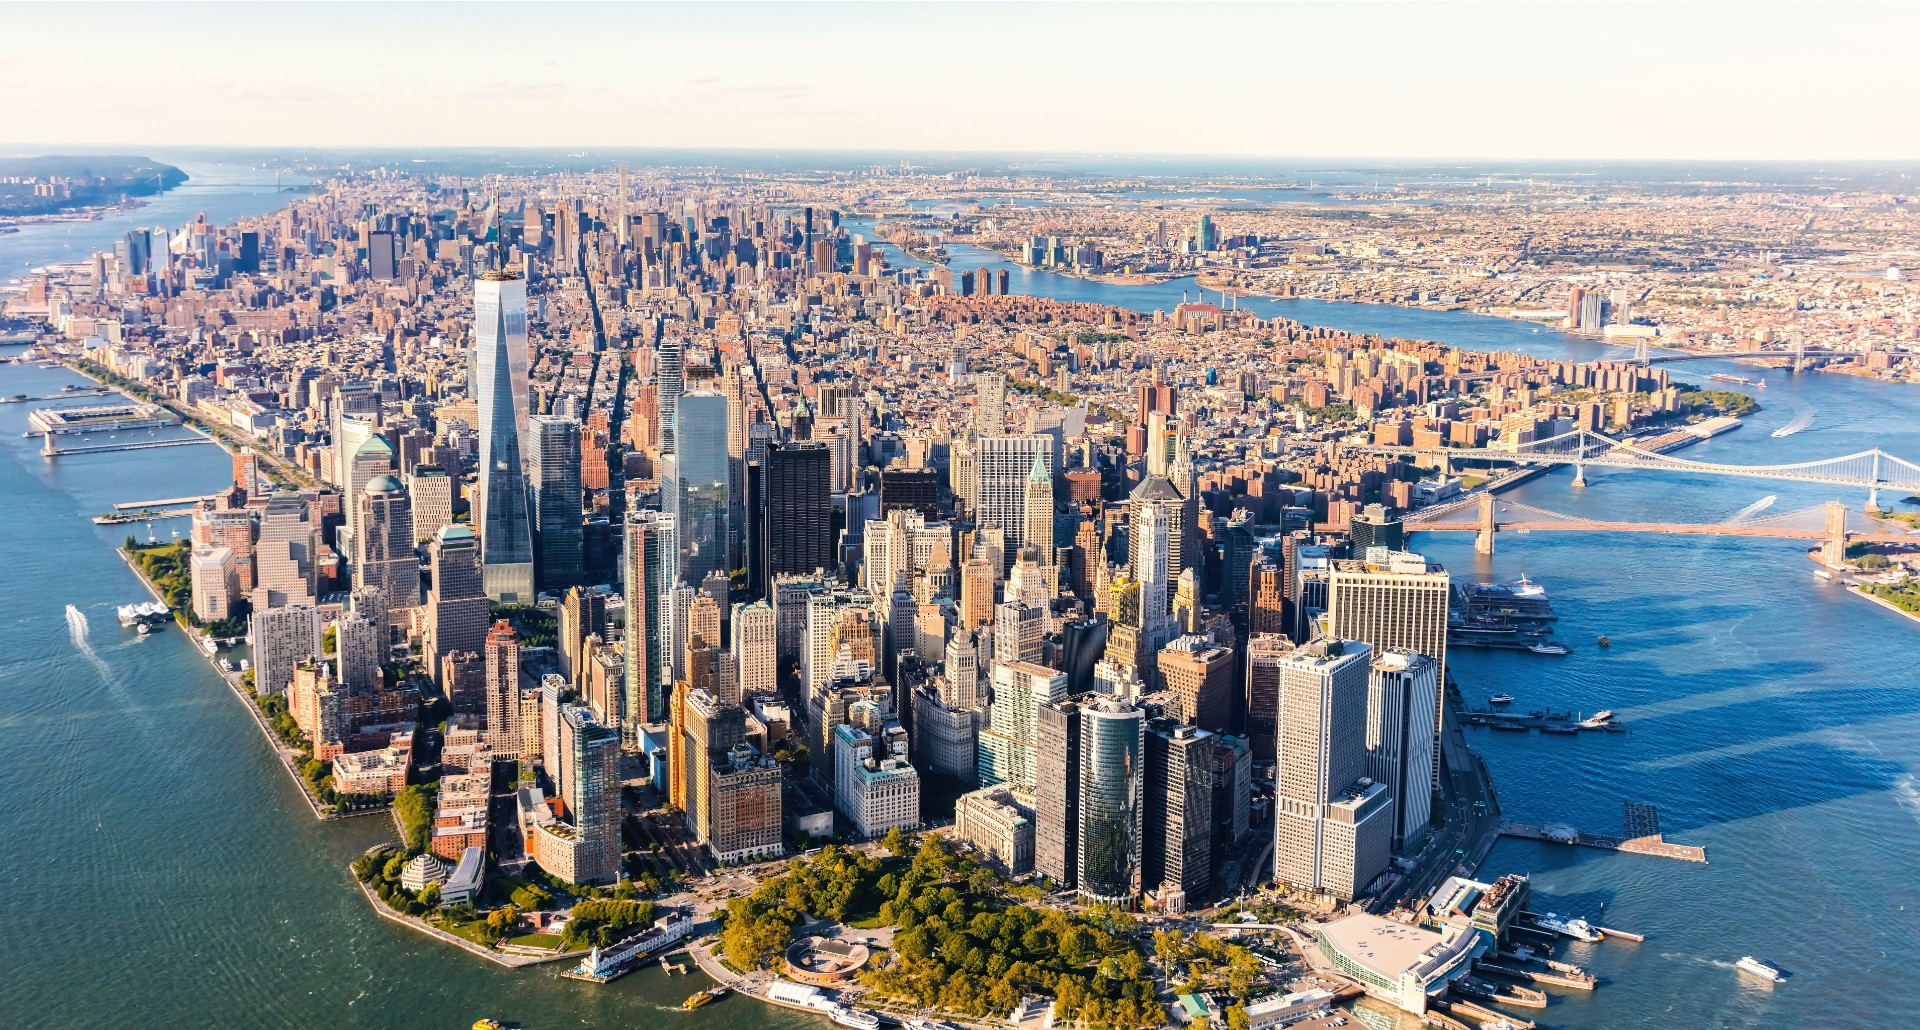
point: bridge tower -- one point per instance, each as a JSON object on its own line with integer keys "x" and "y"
{"x": 1834, "y": 551}
{"x": 1483, "y": 540}
{"x": 1579, "y": 473}
{"x": 1642, "y": 355}
{"x": 47, "y": 446}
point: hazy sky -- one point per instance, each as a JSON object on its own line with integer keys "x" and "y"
{"x": 1599, "y": 81}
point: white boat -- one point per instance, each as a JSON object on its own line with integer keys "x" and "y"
{"x": 1600, "y": 718}
{"x": 1749, "y": 964}
{"x": 1548, "y": 647}
{"x": 1500, "y": 699}
{"x": 1575, "y": 927}
{"x": 928, "y": 1024}
{"x": 856, "y": 1019}
{"x": 1822, "y": 574}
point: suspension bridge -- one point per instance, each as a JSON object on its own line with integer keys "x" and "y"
{"x": 1872, "y": 470}
{"x": 1832, "y": 524}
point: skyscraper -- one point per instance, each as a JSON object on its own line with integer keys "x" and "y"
{"x": 503, "y": 691}
{"x": 668, "y": 379}
{"x": 555, "y": 481}
{"x": 1401, "y": 692}
{"x": 1112, "y": 771}
{"x": 798, "y": 524}
{"x": 1005, "y": 464}
{"x": 590, "y": 757}
{"x": 651, "y": 558}
{"x": 990, "y": 404}
{"x": 384, "y": 547}
{"x": 1177, "y": 825}
{"x": 753, "y": 648}
{"x": 370, "y": 459}
{"x": 1373, "y": 527}
{"x": 500, "y": 509}
{"x": 1056, "y": 792}
{"x": 457, "y": 598}
{"x": 1401, "y": 604}
{"x": 1264, "y": 652}
{"x": 431, "y": 490}
{"x": 695, "y": 488}
{"x": 1200, "y": 674}
{"x": 1333, "y": 827}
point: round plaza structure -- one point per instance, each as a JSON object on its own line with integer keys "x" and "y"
{"x": 823, "y": 962}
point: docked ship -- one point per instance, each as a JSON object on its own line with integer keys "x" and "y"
{"x": 1749, "y": 964}
{"x": 928, "y": 1024}
{"x": 601, "y": 966}
{"x": 854, "y": 1019}
{"x": 1575, "y": 927}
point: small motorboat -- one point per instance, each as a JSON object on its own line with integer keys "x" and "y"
{"x": 1604, "y": 642}
{"x": 1749, "y": 964}
{"x": 1500, "y": 699}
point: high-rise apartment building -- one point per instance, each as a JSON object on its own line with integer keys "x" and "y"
{"x": 500, "y": 391}
{"x": 282, "y": 639}
{"x": 1113, "y": 749}
{"x": 754, "y": 637}
{"x": 583, "y": 615}
{"x": 1333, "y": 826}
{"x": 1007, "y": 749}
{"x": 1401, "y": 693}
{"x": 554, "y": 477}
{"x": 990, "y": 404}
{"x": 504, "y": 730}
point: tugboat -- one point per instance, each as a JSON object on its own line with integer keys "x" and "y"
{"x": 1749, "y": 964}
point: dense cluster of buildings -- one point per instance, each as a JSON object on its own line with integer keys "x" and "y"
{"x": 813, "y": 531}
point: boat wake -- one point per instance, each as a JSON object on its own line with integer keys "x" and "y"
{"x": 1802, "y": 418}
{"x": 1754, "y": 509}
{"x": 1907, "y": 795}
{"x": 77, "y": 629}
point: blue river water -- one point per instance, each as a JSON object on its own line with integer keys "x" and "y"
{"x": 160, "y": 869}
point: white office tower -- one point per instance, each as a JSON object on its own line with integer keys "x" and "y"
{"x": 753, "y": 648}
{"x": 500, "y": 344}
{"x": 1401, "y": 694}
{"x": 358, "y": 646}
{"x": 282, "y": 638}
{"x": 1332, "y": 824}
{"x": 431, "y": 490}
{"x": 360, "y": 453}
{"x": 1002, "y": 468}
{"x": 990, "y": 406}
{"x": 1400, "y": 602}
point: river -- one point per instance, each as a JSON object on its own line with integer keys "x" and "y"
{"x": 161, "y": 870}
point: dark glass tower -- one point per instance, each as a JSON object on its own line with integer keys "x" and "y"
{"x": 799, "y": 510}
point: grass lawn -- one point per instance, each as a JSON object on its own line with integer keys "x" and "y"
{"x": 475, "y": 931}
{"x": 1470, "y": 482}
{"x": 536, "y": 940}
{"x": 873, "y": 922}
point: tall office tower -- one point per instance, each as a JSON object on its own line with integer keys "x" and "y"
{"x": 1007, "y": 749}
{"x": 1036, "y": 518}
{"x": 1264, "y": 651}
{"x": 652, "y": 560}
{"x": 1200, "y": 674}
{"x": 500, "y": 391}
{"x": 798, "y": 524}
{"x": 990, "y": 404}
{"x": 431, "y": 491}
{"x": 1019, "y": 629}
{"x": 457, "y": 599}
{"x": 1401, "y": 604}
{"x": 1267, "y": 607}
{"x": 285, "y": 556}
{"x": 703, "y": 625}
{"x": 372, "y": 459}
{"x": 1203, "y": 235}
{"x": 1005, "y": 465}
{"x": 753, "y": 648}
{"x": 976, "y": 593}
{"x": 1056, "y": 792}
{"x": 590, "y": 756}
{"x": 554, "y": 476}
{"x": 733, "y": 793}
{"x": 1232, "y": 789}
{"x": 383, "y": 550}
{"x": 963, "y": 670}
{"x": 1401, "y": 692}
{"x": 669, "y": 380}
{"x": 1113, "y": 745}
{"x": 1333, "y": 828}
{"x": 963, "y": 473}
{"x": 358, "y": 649}
{"x": 282, "y": 639}
{"x": 1176, "y": 851}
{"x": 708, "y": 727}
{"x": 732, "y": 388}
{"x": 1373, "y": 527}
{"x": 503, "y": 691}
{"x": 246, "y": 471}
{"x": 583, "y": 614}
{"x": 910, "y": 489}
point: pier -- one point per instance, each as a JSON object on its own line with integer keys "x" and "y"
{"x": 1578, "y": 980}
{"x": 51, "y": 450}
{"x": 161, "y": 503}
{"x": 1652, "y": 844}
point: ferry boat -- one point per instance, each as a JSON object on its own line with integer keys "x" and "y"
{"x": 1548, "y": 647}
{"x": 694, "y": 1001}
{"x": 1749, "y": 964}
{"x": 487, "y": 1024}
{"x": 928, "y": 1024}
{"x": 854, "y": 1019}
{"x": 1576, "y": 928}
{"x": 1500, "y": 699}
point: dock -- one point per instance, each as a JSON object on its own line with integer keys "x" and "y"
{"x": 1480, "y": 1013}
{"x": 1579, "y": 981}
{"x": 1622, "y": 934}
{"x": 1546, "y": 722}
{"x": 52, "y": 450}
{"x": 1654, "y": 844}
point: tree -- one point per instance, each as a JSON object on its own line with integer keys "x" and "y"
{"x": 500, "y": 921}
{"x": 895, "y": 842}
{"x": 429, "y": 895}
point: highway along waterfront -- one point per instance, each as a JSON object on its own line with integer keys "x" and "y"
{"x": 154, "y": 845}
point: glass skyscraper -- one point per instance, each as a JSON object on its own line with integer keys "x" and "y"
{"x": 1113, "y": 742}
{"x": 500, "y": 390}
{"x": 696, "y": 492}
{"x": 651, "y": 557}
{"x": 555, "y": 476}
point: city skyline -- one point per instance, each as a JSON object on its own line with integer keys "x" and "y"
{"x": 1668, "y": 82}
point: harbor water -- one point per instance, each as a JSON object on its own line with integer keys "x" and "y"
{"x": 161, "y": 870}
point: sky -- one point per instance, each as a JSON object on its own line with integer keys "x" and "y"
{"x": 1568, "y": 81}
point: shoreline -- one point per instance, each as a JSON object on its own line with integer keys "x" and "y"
{"x": 1855, "y": 590}
{"x": 510, "y": 961}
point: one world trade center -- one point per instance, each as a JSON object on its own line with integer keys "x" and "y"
{"x": 500, "y": 390}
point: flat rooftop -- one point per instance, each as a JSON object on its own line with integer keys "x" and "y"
{"x": 1382, "y": 945}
